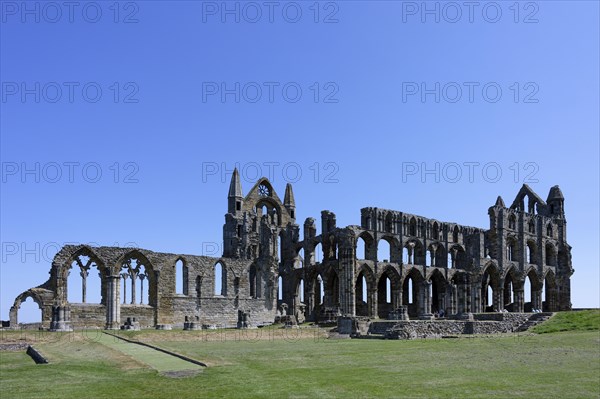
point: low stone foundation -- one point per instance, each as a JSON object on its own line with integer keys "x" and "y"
{"x": 483, "y": 323}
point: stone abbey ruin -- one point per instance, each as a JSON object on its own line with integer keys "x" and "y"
{"x": 269, "y": 272}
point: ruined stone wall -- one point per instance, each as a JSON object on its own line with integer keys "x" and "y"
{"x": 88, "y": 315}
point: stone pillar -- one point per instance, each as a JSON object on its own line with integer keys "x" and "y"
{"x": 124, "y": 276}
{"x": 499, "y": 299}
{"x": 133, "y": 275}
{"x": 83, "y": 273}
{"x": 61, "y": 318}
{"x": 396, "y": 298}
{"x": 310, "y": 302}
{"x": 372, "y": 298}
{"x": 453, "y": 300}
{"x": 519, "y": 300}
{"x": 476, "y": 294}
{"x": 411, "y": 251}
{"x": 536, "y": 299}
{"x": 433, "y": 252}
{"x": 425, "y": 301}
{"x": 142, "y": 278}
{"x": 113, "y": 306}
{"x": 346, "y": 280}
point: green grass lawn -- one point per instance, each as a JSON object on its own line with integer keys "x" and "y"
{"x": 560, "y": 364}
{"x": 585, "y": 320}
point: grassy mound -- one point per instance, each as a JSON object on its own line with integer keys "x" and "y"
{"x": 584, "y": 320}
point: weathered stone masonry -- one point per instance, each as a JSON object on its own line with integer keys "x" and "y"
{"x": 432, "y": 266}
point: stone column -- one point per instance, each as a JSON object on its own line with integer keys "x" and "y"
{"x": 425, "y": 301}
{"x": 113, "y": 306}
{"x": 519, "y": 300}
{"x": 133, "y": 276}
{"x": 453, "y": 300}
{"x": 61, "y": 318}
{"x": 372, "y": 303}
{"x": 310, "y": 302}
{"x": 124, "y": 276}
{"x": 346, "y": 280}
{"x": 142, "y": 278}
{"x": 499, "y": 299}
{"x": 433, "y": 252}
{"x": 411, "y": 247}
{"x": 83, "y": 273}
{"x": 454, "y": 254}
{"x": 476, "y": 294}
{"x": 396, "y": 298}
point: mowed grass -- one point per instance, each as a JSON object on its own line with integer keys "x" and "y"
{"x": 583, "y": 320}
{"x": 271, "y": 364}
{"x": 159, "y": 361}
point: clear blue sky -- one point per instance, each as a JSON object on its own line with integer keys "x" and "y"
{"x": 363, "y": 115}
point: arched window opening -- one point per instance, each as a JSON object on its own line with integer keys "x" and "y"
{"x": 321, "y": 290}
{"x": 280, "y": 247}
{"x": 531, "y": 205}
{"x": 509, "y": 293}
{"x": 361, "y": 248}
{"x": 252, "y": 277}
{"x": 318, "y": 253}
{"x": 280, "y": 288}
{"x": 405, "y": 257}
{"x": 549, "y": 230}
{"x": 299, "y": 261}
{"x": 531, "y": 226}
{"x": 29, "y": 312}
{"x": 412, "y": 228}
{"x": 410, "y": 290}
{"x": 531, "y": 253}
{"x": 512, "y": 222}
{"x": 528, "y": 289}
{"x": 135, "y": 282}
{"x": 218, "y": 272}
{"x": 384, "y": 253}
{"x": 364, "y": 290}
{"x": 179, "y": 278}
{"x": 301, "y": 291}
{"x": 511, "y": 250}
{"x": 84, "y": 281}
{"x": 449, "y": 260}
{"x": 455, "y": 234}
{"x": 388, "y": 290}
{"x": 429, "y": 259}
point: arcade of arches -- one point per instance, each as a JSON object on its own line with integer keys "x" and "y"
{"x": 392, "y": 260}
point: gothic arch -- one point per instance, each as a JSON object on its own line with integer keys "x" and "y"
{"x": 369, "y": 246}
{"x": 411, "y": 286}
{"x": 550, "y": 302}
{"x": 392, "y": 255}
{"x": 363, "y": 289}
{"x": 93, "y": 260}
{"x": 150, "y": 272}
{"x": 439, "y": 288}
{"x": 35, "y": 296}
{"x": 490, "y": 288}
{"x": 551, "y": 253}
